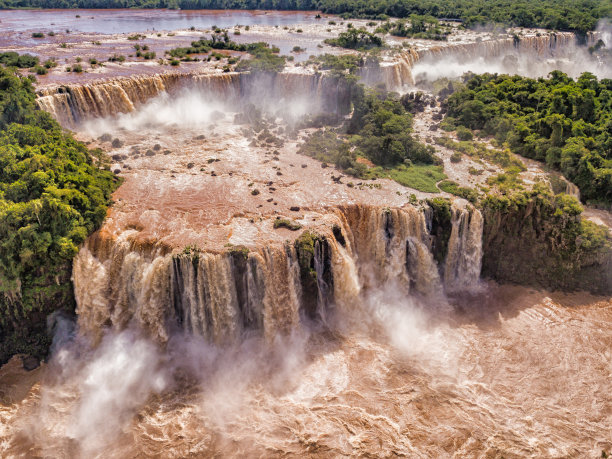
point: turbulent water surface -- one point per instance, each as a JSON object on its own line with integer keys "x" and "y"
{"x": 512, "y": 374}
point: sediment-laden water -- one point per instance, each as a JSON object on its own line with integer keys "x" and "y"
{"x": 350, "y": 337}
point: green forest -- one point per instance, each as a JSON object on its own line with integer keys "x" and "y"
{"x": 563, "y": 122}
{"x": 378, "y": 134}
{"x": 580, "y": 16}
{"x": 53, "y": 194}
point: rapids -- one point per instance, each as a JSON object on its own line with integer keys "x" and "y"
{"x": 513, "y": 373}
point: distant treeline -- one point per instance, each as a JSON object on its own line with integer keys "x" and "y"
{"x": 580, "y": 16}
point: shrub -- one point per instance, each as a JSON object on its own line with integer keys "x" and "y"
{"x": 117, "y": 58}
{"x": 456, "y": 157}
{"x": 464, "y": 133}
{"x": 463, "y": 192}
{"x": 285, "y": 223}
{"x": 38, "y": 35}
{"x": 356, "y": 39}
{"x": 22, "y": 61}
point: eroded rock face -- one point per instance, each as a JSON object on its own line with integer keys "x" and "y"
{"x": 528, "y": 246}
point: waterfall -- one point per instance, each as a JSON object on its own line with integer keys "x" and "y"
{"x": 464, "y": 258}
{"x": 204, "y": 296}
{"x": 75, "y": 103}
{"x": 572, "y": 190}
{"x": 117, "y": 281}
{"x": 272, "y": 289}
{"x": 397, "y": 73}
{"x": 393, "y": 245}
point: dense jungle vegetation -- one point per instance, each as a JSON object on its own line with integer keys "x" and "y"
{"x": 377, "y": 141}
{"x": 580, "y": 16}
{"x": 564, "y": 122}
{"x": 53, "y": 194}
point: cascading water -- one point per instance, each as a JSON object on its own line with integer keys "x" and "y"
{"x": 221, "y": 296}
{"x": 464, "y": 258}
{"x": 73, "y": 104}
{"x": 399, "y": 71}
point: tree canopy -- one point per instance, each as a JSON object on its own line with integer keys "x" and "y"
{"x": 53, "y": 194}
{"x": 564, "y": 122}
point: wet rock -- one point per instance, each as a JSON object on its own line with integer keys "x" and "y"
{"x": 294, "y": 209}
{"x": 29, "y": 362}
